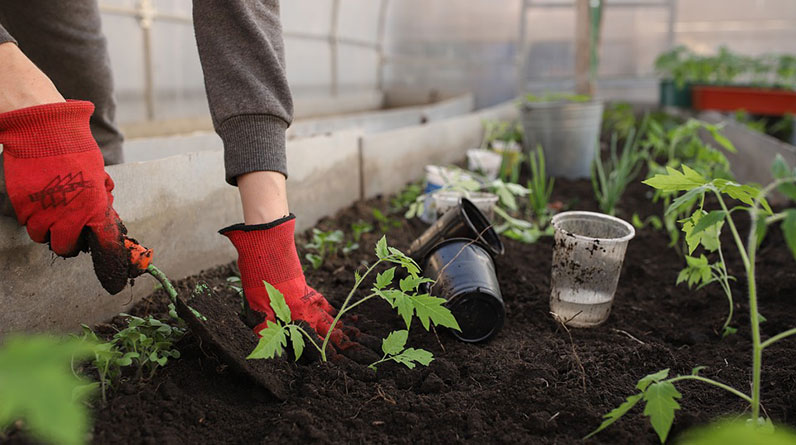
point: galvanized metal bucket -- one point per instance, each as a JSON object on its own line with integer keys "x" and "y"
{"x": 567, "y": 132}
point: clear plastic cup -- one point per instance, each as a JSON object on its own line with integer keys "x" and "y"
{"x": 587, "y": 260}
{"x": 444, "y": 200}
{"x": 486, "y": 162}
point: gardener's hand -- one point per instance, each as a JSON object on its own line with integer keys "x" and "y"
{"x": 267, "y": 253}
{"x": 58, "y": 187}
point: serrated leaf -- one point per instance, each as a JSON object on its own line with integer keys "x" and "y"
{"x": 431, "y": 308}
{"x": 406, "y": 308}
{"x": 381, "y": 248}
{"x": 411, "y": 355}
{"x": 277, "y": 302}
{"x": 385, "y": 278}
{"x": 789, "y": 230}
{"x": 721, "y": 139}
{"x": 714, "y": 217}
{"x": 675, "y": 181}
{"x": 661, "y": 405}
{"x": 686, "y": 199}
{"x": 411, "y": 283}
{"x": 297, "y": 340}
{"x": 616, "y": 413}
{"x": 654, "y": 377}
{"x": 272, "y": 342}
{"x": 395, "y": 342}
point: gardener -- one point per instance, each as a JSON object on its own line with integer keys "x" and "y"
{"x": 56, "y": 105}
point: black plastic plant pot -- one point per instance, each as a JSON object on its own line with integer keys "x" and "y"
{"x": 463, "y": 221}
{"x": 465, "y": 277}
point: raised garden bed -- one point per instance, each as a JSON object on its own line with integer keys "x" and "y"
{"x": 533, "y": 383}
{"x": 765, "y": 101}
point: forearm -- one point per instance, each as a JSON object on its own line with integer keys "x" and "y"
{"x": 22, "y": 84}
{"x": 242, "y": 54}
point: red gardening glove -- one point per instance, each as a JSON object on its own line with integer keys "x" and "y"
{"x": 58, "y": 187}
{"x": 267, "y": 252}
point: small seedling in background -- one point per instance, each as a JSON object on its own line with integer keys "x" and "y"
{"x": 359, "y": 228}
{"x": 384, "y": 222}
{"x": 611, "y": 178}
{"x": 541, "y": 188}
{"x": 406, "y": 299}
{"x": 405, "y": 197}
{"x": 149, "y": 342}
{"x": 325, "y": 245}
{"x": 350, "y": 246}
{"x": 652, "y": 221}
{"x": 108, "y": 360}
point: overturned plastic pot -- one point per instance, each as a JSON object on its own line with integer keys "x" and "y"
{"x": 465, "y": 277}
{"x": 463, "y": 221}
{"x": 588, "y": 254}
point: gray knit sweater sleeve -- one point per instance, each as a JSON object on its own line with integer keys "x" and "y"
{"x": 242, "y": 54}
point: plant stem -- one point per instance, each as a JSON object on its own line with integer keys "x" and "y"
{"x": 734, "y": 230}
{"x": 344, "y": 308}
{"x": 778, "y": 337}
{"x": 360, "y": 302}
{"x": 757, "y": 349}
{"x": 725, "y": 284}
{"x": 161, "y": 277}
{"x": 711, "y": 382}
{"x": 309, "y": 338}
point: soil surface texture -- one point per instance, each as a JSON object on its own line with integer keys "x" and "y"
{"x": 535, "y": 382}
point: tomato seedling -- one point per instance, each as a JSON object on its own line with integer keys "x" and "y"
{"x": 657, "y": 390}
{"x": 407, "y": 299}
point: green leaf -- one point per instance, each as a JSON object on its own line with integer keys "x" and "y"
{"x": 721, "y": 139}
{"x": 617, "y": 413}
{"x": 381, "y": 248}
{"x": 38, "y": 386}
{"x": 411, "y": 283}
{"x": 315, "y": 260}
{"x": 431, "y": 308}
{"x": 686, "y": 199}
{"x": 707, "y": 221}
{"x": 654, "y": 377}
{"x": 297, "y": 340}
{"x": 278, "y": 303}
{"x": 728, "y": 331}
{"x": 272, "y": 342}
{"x": 395, "y": 342}
{"x": 789, "y": 230}
{"x": 411, "y": 355}
{"x": 405, "y": 306}
{"x": 661, "y": 405}
{"x": 675, "y": 181}
{"x": 739, "y": 432}
{"x": 696, "y": 370}
{"x": 385, "y": 278}
{"x": 780, "y": 170}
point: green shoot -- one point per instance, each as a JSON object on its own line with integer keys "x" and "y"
{"x": 384, "y": 222}
{"x": 541, "y": 188}
{"x": 394, "y": 348}
{"x": 359, "y": 228}
{"x": 404, "y": 198}
{"x": 38, "y": 387}
{"x": 407, "y": 299}
{"x": 611, "y": 178}
{"x": 753, "y": 201}
{"x": 324, "y": 244}
{"x": 149, "y": 343}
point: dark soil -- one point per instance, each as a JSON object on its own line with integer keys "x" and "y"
{"x": 534, "y": 382}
